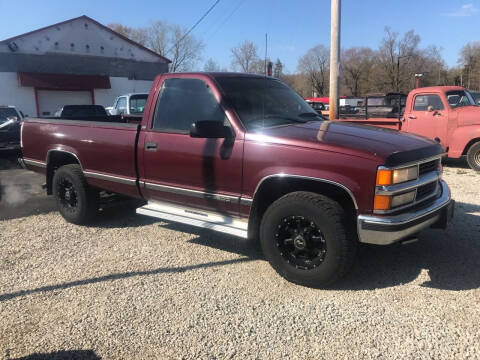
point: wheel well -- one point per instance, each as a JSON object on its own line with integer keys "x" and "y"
{"x": 274, "y": 188}
{"x": 55, "y": 160}
{"x": 470, "y": 143}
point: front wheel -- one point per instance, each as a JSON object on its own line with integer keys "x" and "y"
{"x": 307, "y": 239}
{"x": 76, "y": 200}
{"x": 473, "y": 156}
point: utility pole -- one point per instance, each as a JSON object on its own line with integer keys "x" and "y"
{"x": 335, "y": 58}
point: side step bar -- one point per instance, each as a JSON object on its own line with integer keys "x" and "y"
{"x": 195, "y": 217}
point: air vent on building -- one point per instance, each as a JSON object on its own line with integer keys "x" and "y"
{"x": 13, "y": 46}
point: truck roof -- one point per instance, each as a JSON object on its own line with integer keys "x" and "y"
{"x": 438, "y": 89}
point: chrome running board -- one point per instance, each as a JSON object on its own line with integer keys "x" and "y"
{"x": 195, "y": 217}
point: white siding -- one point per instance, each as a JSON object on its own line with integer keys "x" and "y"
{"x": 120, "y": 86}
{"x": 49, "y": 101}
{"x": 87, "y": 38}
{"x": 11, "y": 93}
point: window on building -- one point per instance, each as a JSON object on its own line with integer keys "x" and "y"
{"x": 184, "y": 101}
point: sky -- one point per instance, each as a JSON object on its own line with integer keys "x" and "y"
{"x": 293, "y": 26}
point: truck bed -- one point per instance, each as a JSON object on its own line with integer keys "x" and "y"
{"x": 106, "y": 150}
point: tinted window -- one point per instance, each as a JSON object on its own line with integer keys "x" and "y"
{"x": 422, "y": 102}
{"x": 184, "y": 101}
{"x": 264, "y": 102}
{"x": 6, "y": 113}
{"x": 83, "y": 111}
{"x": 137, "y": 104}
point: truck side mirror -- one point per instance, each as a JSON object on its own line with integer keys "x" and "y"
{"x": 209, "y": 129}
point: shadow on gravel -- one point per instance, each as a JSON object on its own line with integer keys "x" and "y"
{"x": 450, "y": 257}
{"x": 456, "y": 163}
{"x": 118, "y": 276}
{"x": 62, "y": 355}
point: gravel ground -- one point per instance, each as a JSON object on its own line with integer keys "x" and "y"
{"x": 132, "y": 287}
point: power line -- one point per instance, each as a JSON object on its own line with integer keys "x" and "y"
{"x": 195, "y": 25}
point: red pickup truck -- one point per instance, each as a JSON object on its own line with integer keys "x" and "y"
{"x": 245, "y": 155}
{"x": 447, "y": 114}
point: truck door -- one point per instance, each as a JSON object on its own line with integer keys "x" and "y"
{"x": 426, "y": 112}
{"x": 194, "y": 172}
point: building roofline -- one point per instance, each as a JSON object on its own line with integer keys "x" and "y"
{"x": 85, "y": 17}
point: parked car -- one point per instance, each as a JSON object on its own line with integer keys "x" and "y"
{"x": 446, "y": 114}
{"x": 129, "y": 104}
{"x": 81, "y": 111}
{"x": 245, "y": 155}
{"x": 10, "y": 120}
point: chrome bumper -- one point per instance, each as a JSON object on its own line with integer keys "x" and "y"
{"x": 385, "y": 230}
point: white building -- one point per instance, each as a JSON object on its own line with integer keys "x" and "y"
{"x": 78, "y": 61}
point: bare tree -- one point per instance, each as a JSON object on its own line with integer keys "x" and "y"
{"x": 469, "y": 62}
{"x": 139, "y": 35}
{"x": 357, "y": 64}
{"x": 211, "y": 65}
{"x": 244, "y": 57}
{"x": 395, "y": 58}
{"x": 168, "y": 40}
{"x": 315, "y": 66}
{"x": 278, "y": 69}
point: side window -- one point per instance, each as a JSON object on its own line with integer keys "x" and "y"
{"x": 422, "y": 102}
{"x": 182, "y": 102}
{"x": 121, "y": 104}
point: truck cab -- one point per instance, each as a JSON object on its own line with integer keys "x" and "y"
{"x": 448, "y": 115}
{"x": 129, "y": 104}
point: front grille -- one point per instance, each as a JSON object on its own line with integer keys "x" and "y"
{"x": 426, "y": 190}
{"x": 428, "y": 166}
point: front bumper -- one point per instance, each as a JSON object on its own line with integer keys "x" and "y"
{"x": 385, "y": 230}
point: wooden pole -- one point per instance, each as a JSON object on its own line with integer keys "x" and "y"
{"x": 335, "y": 59}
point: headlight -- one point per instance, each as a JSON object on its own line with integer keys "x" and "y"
{"x": 387, "y": 177}
{"x": 387, "y": 202}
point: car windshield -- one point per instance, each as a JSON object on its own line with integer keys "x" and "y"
{"x": 460, "y": 98}
{"x": 137, "y": 103}
{"x": 6, "y": 113}
{"x": 265, "y": 102}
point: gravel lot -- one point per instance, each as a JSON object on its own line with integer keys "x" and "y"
{"x": 132, "y": 287}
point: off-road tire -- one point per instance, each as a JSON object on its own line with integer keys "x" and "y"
{"x": 473, "y": 156}
{"x": 70, "y": 177}
{"x": 330, "y": 218}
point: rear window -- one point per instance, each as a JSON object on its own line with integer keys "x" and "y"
{"x": 137, "y": 104}
{"x": 83, "y": 111}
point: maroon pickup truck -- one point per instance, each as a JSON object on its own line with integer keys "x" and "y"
{"x": 247, "y": 156}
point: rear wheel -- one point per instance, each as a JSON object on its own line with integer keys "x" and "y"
{"x": 307, "y": 239}
{"x": 473, "y": 156}
{"x": 76, "y": 200}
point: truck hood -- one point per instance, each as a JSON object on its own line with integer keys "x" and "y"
{"x": 386, "y": 146}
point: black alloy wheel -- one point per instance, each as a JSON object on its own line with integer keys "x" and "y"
{"x": 301, "y": 242}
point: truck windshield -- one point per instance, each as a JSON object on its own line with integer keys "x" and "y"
{"x": 137, "y": 103}
{"x": 264, "y": 102}
{"x": 460, "y": 98}
{"x": 6, "y": 113}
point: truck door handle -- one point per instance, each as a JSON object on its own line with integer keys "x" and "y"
{"x": 412, "y": 117}
{"x": 151, "y": 146}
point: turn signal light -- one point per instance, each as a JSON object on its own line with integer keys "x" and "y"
{"x": 382, "y": 202}
{"x": 384, "y": 177}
